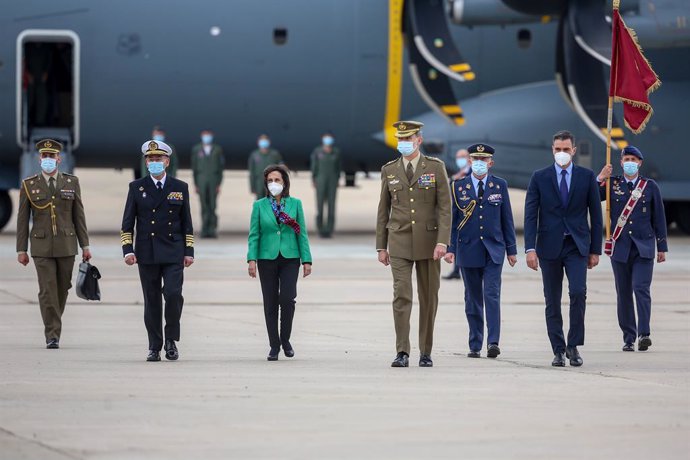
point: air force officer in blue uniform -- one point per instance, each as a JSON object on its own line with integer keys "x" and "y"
{"x": 482, "y": 234}
{"x": 633, "y": 252}
{"x": 162, "y": 245}
{"x": 558, "y": 237}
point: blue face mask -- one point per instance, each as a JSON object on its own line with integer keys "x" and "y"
{"x": 479, "y": 167}
{"x": 48, "y": 165}
{"x": 630, "y": 168}
{"x": 156, "y": 168}
{"x": 159, "y": 138}
{"x": 461, "y": 162}
{"x": 207, "y": 139}
{"x": 264, "y": 143}
{"x": 327, "y": 140}
{"x": 406, "y": 148}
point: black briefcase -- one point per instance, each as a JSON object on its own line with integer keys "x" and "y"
{"x": 87, "y": 282}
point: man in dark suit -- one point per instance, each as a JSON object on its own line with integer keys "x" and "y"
{"x": 482, "y": 236}
{"x": 640, "y": 231}
{"x": 558, "y": 237}
{"x": 158, "y": 205}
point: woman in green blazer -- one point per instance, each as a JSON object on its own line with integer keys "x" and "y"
{"x": 278, "y": 242}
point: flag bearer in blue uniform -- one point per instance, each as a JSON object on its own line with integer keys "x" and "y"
{"x": 482, "y": 234}
{"x": 157, "y": 235}
{"x": 635, "y": 234}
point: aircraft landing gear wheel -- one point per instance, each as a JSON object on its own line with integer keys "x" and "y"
{"x": 349, "y": 179}
{"x": 5, "y": 208}
{"x": 683, "y": 217}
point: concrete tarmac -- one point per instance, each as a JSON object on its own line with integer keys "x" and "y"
{"x": 96, "y": 397}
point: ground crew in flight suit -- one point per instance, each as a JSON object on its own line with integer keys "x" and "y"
{"x": 208, "y": 163}
{"x": 483, "y": 233}
{"x": 53, "y": 200}
{"x": 259, "y": 160}
{"x": 632, "y": 256}
{"x": 326, "y": 165}
{"x": 162, "y": 246}
{"x": 413, "y": 229}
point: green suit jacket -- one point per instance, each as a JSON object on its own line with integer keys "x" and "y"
{"x": 35, "y": 203}
{"x": 268, "y": 238}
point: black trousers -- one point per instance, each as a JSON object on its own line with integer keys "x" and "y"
{"x": 279, "y": 288}
{"x": 172, "y": 276}
{"x": 575, "y": 266}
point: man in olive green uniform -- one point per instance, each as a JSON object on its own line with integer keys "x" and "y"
{"x": 158, "y": 135}
{"x": 325, "y": 172}
{"x": 413, "y": 229}
{"x": 53, "y": 200}
{"x": 259, "y": 160}
{"x": 207, "y": 165}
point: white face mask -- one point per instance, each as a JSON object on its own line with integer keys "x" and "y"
{"x": 275, "y": 188}
{"x": 563, "y": 158}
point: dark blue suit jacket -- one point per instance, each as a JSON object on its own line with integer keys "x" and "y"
{"x": 164, "y": 232}
{"x": 490, "y": 226}
{"x": 546, "y": 220}
{"x": 646, "y": 225}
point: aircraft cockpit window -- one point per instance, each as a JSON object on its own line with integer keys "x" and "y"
{"x": 524, "y": 38}
{"x": 280, "y": 36}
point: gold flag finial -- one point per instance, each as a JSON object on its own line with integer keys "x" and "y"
{"x": 616, "y": 4}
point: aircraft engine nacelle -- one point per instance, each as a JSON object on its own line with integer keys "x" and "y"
{"x": 490, "y": 13}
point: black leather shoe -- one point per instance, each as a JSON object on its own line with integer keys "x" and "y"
{"x": 288, "y": 350}
{"x": 171, "y": 352}
{"x": 273, "y": 354}
{"x": 492, "y": 350}
{"x": 425, "y": 361}
{"x": 574, "y": 356}
{"x": 644, "y": 343}
{"x": 452, "y": 276}
{"x": 474, "y": 354}
{"x": 53, "y": 344}
{"x": 558, "y": 360}
{"x": 628, "y": 347}
{"x": 153, "y": 355}
{"x": 401, "y": 360}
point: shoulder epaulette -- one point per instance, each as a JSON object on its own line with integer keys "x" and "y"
{"x": 35, "y": 176}
{"x": 390, "y": 162}
{"x": 434, "y": 159}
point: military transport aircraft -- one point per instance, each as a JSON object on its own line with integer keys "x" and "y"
{"x": 98, "y": 75}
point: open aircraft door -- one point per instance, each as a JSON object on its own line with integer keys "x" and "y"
{"x": 47, "y": 94}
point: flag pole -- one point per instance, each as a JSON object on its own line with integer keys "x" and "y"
{"x": 609, "y": 123}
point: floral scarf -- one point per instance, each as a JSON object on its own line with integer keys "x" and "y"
{"x": 282, "y": 216}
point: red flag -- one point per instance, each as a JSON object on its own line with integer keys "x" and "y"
{"x": 632, "y": 78}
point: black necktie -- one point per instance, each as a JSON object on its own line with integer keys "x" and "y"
{"x": 480, "y": 190}
{"x": 159, "y": 186}
{"x": 51, "y": 186}
{"x": 631, "y": 185}
{"x": 564, "y": 188}
{"x": 410, "y": 171}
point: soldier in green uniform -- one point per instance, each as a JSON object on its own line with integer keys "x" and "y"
{"x": 325, "y": 172}
{"x": 53, "y": 200}
{"x": 158, "y": 135}
{"x": 259, "y": 160}
{"x": 207, "y": 165}
{"x": 413, "y": 229}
